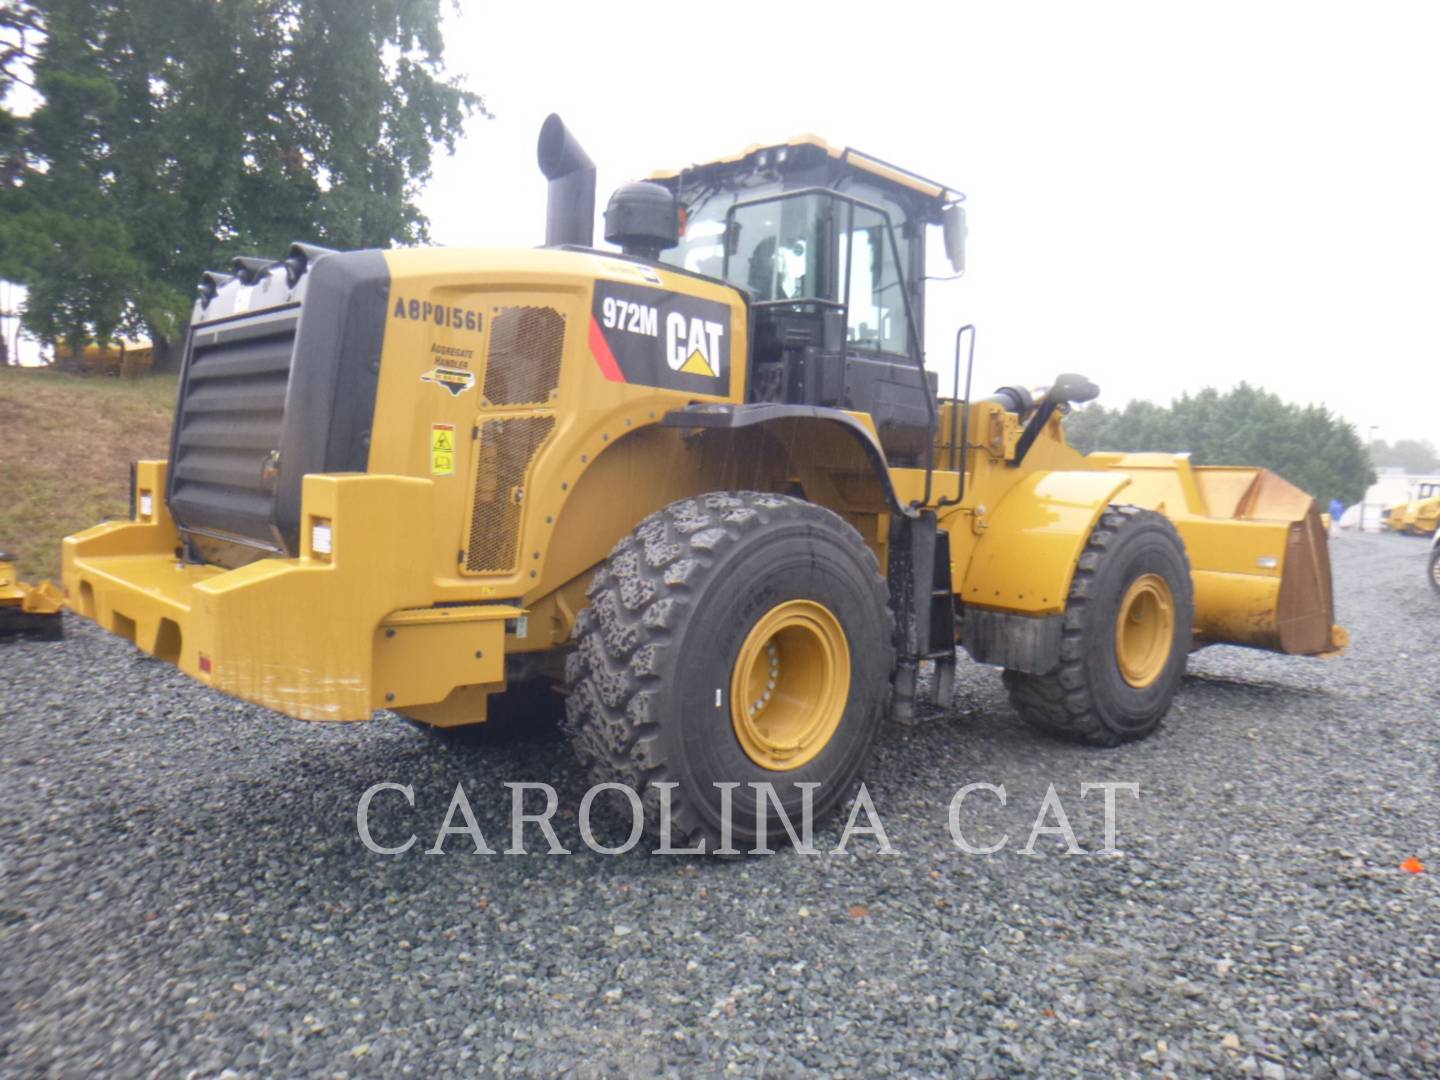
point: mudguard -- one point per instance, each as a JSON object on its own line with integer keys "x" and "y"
{"x": 1030, "y": 541}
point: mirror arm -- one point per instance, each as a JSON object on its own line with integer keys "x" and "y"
{"x": 1067, "y": 390}
{"x": 1032, "y": 430}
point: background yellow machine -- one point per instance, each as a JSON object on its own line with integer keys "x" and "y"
{"x": 1418, "y": 516}
{"x": 703, "y": 482}
{"x": 28, "y": 610}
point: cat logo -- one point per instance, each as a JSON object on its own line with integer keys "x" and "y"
{"x": 456, "y": 380}
{"x": 692, "y": 344}
{"x": 655, "y": 337}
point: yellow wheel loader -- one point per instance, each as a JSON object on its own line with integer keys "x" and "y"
{"x": 703, "y": 482}
{"x": 1419, "y": 516}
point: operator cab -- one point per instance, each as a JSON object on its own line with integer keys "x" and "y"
{"x": 830, "y": 245}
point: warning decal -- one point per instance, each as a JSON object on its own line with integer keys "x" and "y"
{"x": 442, "y": 449}
{"x": 654, "y": 337}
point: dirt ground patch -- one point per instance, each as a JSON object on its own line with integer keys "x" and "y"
{"x": 66, "y": 443}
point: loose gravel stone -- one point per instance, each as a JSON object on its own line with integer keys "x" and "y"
{"x": 183, "y": 890}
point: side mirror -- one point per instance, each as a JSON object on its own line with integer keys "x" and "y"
{"x": 1072, "y": 389}
{"x": 952, "y": 221}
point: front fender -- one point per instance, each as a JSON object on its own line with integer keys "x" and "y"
{"x": 1031, "y": 540}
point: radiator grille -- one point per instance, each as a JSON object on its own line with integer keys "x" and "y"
{"x": 228, "y": 426}
{"x": 507, "y": 446}
{"x": 523, "y": 365}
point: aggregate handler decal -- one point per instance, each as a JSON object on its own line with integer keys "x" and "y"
{"x": 652, "y": 337}
{"x": 456, "y": 380}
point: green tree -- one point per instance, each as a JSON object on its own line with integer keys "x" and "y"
{"x": 171, "y": 135}
{"x": 1306, "y": 444}
{"x": 1412, "y": 455}
{"x": 19, "y": 29}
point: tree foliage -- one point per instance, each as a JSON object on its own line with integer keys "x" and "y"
{"x": 1412, "y": 455}
{"x": 1306, "y": 444}
{"x": 171, "y": 135}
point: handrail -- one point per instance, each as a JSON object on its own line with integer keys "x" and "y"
{"x": 964, "y": 410}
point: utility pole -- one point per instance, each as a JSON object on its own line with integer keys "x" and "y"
{"x": 1365, "y": 504}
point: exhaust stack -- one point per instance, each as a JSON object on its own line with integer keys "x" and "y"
{"x": 570, "y": 214}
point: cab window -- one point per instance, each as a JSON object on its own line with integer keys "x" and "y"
{"x": 701, "y": 249}
{"x": 874, "y": 299}
{"x": 778, "y": 249}
{"x": 811, "y": 247}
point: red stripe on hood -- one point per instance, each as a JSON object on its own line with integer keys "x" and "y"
{"x": 603, "y": 356}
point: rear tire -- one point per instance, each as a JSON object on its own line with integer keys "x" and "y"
{"x": 1117, "y": 678}
{"x": 1435, "y": 569}
{"x": 683, "y": 613}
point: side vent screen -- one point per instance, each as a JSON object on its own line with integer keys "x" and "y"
{"x": 523, "y": 365}
{"x": 507, "y": 446}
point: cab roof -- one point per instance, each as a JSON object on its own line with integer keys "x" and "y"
{"x": 766, "y": 155}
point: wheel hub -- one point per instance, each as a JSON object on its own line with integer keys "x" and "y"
{"x": 789, "y": 685}
{"x": 1145, "y": 630}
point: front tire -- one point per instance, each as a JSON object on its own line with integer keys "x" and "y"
{"x": 1435, "y": 569}
{"x": 1128, "y": 627}
{"x": 732, "y": 638}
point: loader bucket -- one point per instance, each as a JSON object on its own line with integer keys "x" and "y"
{"x": 1305, "y": 608}
{"x": 1259, "y": 555}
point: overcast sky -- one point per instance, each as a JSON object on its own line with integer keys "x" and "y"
{"x": 1160, "y": 197}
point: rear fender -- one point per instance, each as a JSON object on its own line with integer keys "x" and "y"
{"x": 812, "y": 437}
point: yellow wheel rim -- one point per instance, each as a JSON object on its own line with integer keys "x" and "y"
{"x": 789, "y": 685}
{"x": 1145, "y": 630}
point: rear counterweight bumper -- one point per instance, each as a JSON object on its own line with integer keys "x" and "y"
{"x": 323, "y": 636}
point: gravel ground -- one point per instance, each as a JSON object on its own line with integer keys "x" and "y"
{"x": 182, "y": 890}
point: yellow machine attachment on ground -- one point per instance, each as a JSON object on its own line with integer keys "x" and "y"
{"x": 127, "y": 358}
{"x": 702, "y": 484}
{"x": 1419, "y": 516}
{"x": 28, "y": 610}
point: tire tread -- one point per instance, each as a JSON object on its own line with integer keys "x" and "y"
{"x": 1061, "y": 702}
{"x": 625, "y": 639}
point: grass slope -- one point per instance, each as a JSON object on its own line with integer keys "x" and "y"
{"x": 66, "y": 443}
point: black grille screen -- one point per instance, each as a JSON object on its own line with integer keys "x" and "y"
{"x": 272, "y": 395}
{"x": 227, "y": 435}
